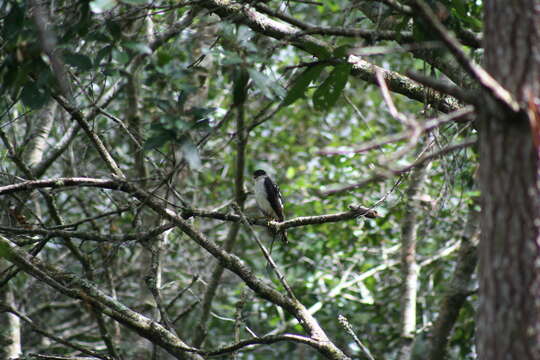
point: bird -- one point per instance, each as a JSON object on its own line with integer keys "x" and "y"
{"x": 269, "y": 199}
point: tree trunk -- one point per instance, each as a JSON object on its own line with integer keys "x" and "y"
{"x": 509, "y": 253}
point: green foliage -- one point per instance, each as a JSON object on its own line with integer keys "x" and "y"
{"x": 328, "y": 93}
{"x": 183, "y": 90}
{"x": 301, "y": 83}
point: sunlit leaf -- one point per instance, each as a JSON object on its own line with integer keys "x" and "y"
{"x": 138, "y": 47}
{"x": 99, "y": 6}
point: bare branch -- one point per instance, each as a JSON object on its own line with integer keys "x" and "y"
{"x": 266, "y": 254}
{"x": 468, "y": 97}
{"x": 404, "y": 169}
{"x": 458, "y": 288}
{"x": 260, "y": 23}
{"x": 457, "y": 116}
{"x": 230, "y": 261}
{"x": 396, "y": 5}
{"x": 47, "y": 334}
{"x": 345, "y": 323}
{"x": 76, "y": 287}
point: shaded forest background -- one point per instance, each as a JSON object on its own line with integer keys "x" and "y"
{"x": 130, "y": 130}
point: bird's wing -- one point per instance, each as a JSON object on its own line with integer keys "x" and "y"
{"x": 274, "y": 197}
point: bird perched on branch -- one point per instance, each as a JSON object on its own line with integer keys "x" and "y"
{"x": 269, "y": 199}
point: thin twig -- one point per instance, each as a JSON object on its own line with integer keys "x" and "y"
{"x": 265, "y": 252}
{"x": 45, "y": 333}
{"x": 345, "y": 323}
{"x": 457, "y": 115}
{"x": 382, "y": 176}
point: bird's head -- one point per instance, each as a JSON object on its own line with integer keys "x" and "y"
{"x": 259, "y": 173}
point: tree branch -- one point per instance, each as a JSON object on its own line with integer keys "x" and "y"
{"x": 382, "y": 176}
{"x": 230, "y": 261}
{"x": 457, "y": 116}
{"x": 47, "y": 334}
{"x": 476, "y": 71}
{"x": 260, "y": 23}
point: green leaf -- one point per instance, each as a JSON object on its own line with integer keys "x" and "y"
{"x": 163, "y": 57}
{"x": 341, "y": 51}
{"x": 158, "y": 140}
{"x": 114, "y": 28}
{"x": 191, "y": 153}
{"x": 138, "y": 47}
{"x": 13, "y": 22}
{"x": 80, "y": 61}
{"x": 99, "y": 6}
{"x": 121, "y": 56}
{"x": 319, "y": 51}
{"x": 262, "y": 82}
{"x": 328, "y": 93}
{"x": 5, "y": 251}
{"x": 199, "y": 113}
{"x": 105, "y": 51}
{"x": 461, "y": 8}
{"x": 33, "y": 97}
{"x": 302, "y": 82}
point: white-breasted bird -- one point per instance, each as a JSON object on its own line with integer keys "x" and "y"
{"x": 268, "y": 197}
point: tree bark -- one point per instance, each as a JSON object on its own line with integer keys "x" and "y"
{"x": 509, "y": 253}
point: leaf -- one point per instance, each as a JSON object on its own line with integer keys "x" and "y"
{"x": 163, "y": 57}
{"x": 13, "y": 22}
{"x": 32, "y": 97}
{"x": 138, "y": 47}
{"x": 121, "y": 56}
{"x": 191, "y": 153}
{"x": 328, "y": 93}
{"x": 5, "y": 251}
{"x": 341, "y": 51}
{"x": 99, "y": 6}
{"x": 460, "y": 8}
{"x": 80, "y": 61}
{"x": 114, "y": 28}
{"x": 158, "y": 140}
{"x": 262, "y": 82}
{"x": 302, "y": 82}
{"x": 105, "y": 51}
{"x": 318, "y": 50}
{"x": 199, "y": 113}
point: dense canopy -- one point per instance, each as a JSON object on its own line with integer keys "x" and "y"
{"x": 130, "y": 131}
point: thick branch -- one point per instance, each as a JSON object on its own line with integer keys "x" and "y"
{"x": 229, "y": 261}
{"x": 76, "y": 287}
{"x": 260, "y": 23}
